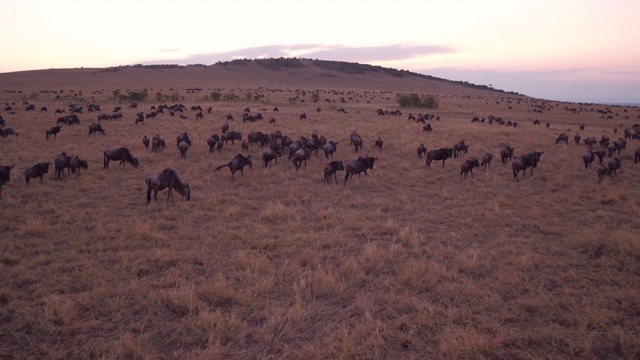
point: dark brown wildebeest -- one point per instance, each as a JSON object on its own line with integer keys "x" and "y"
{"x": 357, "y": 143}
{"x": 331, "y": 169}
{"x": 521, "y": 163}
{"x": 603, "y": 171}
{"x": 563, "y": 137}
{"x": 486, "y": 161}
{"x": 212, "y": 141}
{"x": 358, "y": 166}
{"x": 601, "y": 152}
{"x": 271, "y": 153}
{"x": 636, "y": 156}
{"x": 588, "y": 158}
{"x": 146, "y": 142}
{"x": 164, "y": 179}
{"x": 303, "y": 116}
{"x": 96, "y": 128}
{"x": 5, "y": 176}
{"x": 120, "y": 154}
{"x": 237, "y": 163}
{"x": 157, "y": 143}
{"x": 330, "y": 148}
{"x": 581, "y": 127}
{"x": 427, "y": 128}
{"x": 62, "y": 120}
{"x": 506, "y": 154}
{"x": 255, "y": 137}
{"x": 301, "y": 155}
{"x": 231, "y": 136}
{"x": 8, "y": 131}
{"x": 229, "y": 117}
{"x": 244, "y": 145}
{"x": 422, "y": 150}
{"x": 37, "y": 170}
{"x": 460, "y": 147}
{"x": 604, "y": 141}
{"x": 225, "y": 127}
{"x": 440, "y": 154}
{"x": 590, "y": 141}
{"x": 613, "y": 165}
{"x": 76, "y": 164}
{"x": 62, "y": 162}
{"x": 183, "y": 147}
{"x": 72, "y": 119}
{"x": 467, "y": 167}
{"x": 183, "y": 137}
{"x": 378, "y": 143}
{"x": 577, "y": 138}
{"x": 52, "y": 131}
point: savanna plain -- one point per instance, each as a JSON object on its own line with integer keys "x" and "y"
{"x": 407, "y": 262}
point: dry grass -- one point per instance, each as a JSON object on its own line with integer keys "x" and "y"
{"x": 406, "y": 262}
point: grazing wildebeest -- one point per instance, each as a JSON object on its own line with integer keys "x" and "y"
{"x": 62, "y": 162}
{"x": 140, "y": 118}
{"x": 225, "y": 127}
{"x": 331, "y": 169}
{"x": 183, "y": 147}
{"x": 157, "y": 143}
{"x": 613, "y": 165}
{"x": 300, "y": 156}
{"x": 506, "y": 154}
{"x": 603, "y": 171}
{"x": 378, "y": 143}
{"x": 529, "y": 160}
{"x": 72, "y": 119}
{"x": 8, "y": 131}
{"x": 164, "y": 179}
{"x": 460, "y": 147}
{"x": 422, "y": 150}
{"x": 237, "y": 163}
{"x": 255, "y": 137}
{"x": 590, "y": 141}
{"x": 62, "y": 120}
{"x": 271, "y": 153}
{"x": 427, "y": 128}
{"x": 636, "y": 156}
{"x": 486, "y": 161}
{"x": 212, "y": 141}
{"x": 182, "y": 137}
{"x": 146, "y": 142}
{"x": 76, "y": 164}
{"x": 303, "y": 116}
{"x": 5, "y": 175}
{"x": 231, "y": 136}
{"x": 588, "y": 158}
{"x": 440, "y": 154}
{"x": 52, "y": 131}
{"x": 199, "y": 115}
{"x": 120, "y": 154}
{"x": 358, "y": 166}
{"x": 330, "y": 148}
{"x": 563, "y": 137}
{"x": 95, "y": 128}
{"x": 37, "y": 170}
{"x": 467, "y": 167}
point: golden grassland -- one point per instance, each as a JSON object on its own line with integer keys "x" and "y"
{"x": 407, "y": 262}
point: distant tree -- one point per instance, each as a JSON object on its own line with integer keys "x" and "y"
{"x": 417, "y": 100}
{"x": 215, "y": 96}
{"x": 116, "y": 93}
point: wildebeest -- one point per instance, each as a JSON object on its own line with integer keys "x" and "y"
{"x": 76, "y": 164}
{"x": 601, "y": 152}
{"x": 96, "y": 128}
{"x": 506, "y": 154}
{"x": 440, "y": 154}
{"x": 212, "y": 141}
{"x": 167, "y": 178}
{"x": 146, "y": 142}
{"x": 244, "y": 145}
{"x": 358, "y": 166}
{"x": 52, "y": 131}
{"x": 72, "y": 119}
{"x": 183, "y": 137}
{"x": 5, "y": 175}
{"x": 636, "y": 156}
{"x": 378, "y": 143}
{"x": 422, "y": 150}
{"x": 467, "y": 167}
{"x": 303, "y": 116}
{"x": 590, "y": 141}
{"x": 237, "y": 163}
{"x": 613, "y": 165}
{"x": 329, "y": 148}
{"x": 231, "y": 136}
{"x": 427, "y": 128}
{"x": 357, "y": 143}
{"x": 486, "y": 161}
{"x": 37, "y": 170}
{"x": 62, "y": 162}
{"x": 581, "y": 127}
{"x": 331, "y": 169}
{"x": 183, "y": 147}
{"x": 460, "y": 147}
{"x": 588, "y": 158}
{"x": 577, "y": 138}
{"x": 603, "y": 171}
{"x": 120, "y": 154}
{"x": 563, "y": 137}
{"x": 521, "y": 163}
{"x": 157, "y": 143}
{"x": 300, "y": 156}
{"x": 225, "y": 127}
{"x": 8, "y": 131}
{"x": 271, "y": 153}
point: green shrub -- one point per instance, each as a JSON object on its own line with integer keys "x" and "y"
{"x": 215, "y": 96}
{"x": 230, "y": 97}
{"x": 417, "y": 100}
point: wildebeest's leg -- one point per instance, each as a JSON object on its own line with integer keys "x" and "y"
{"x": 169, "y": 194}
{"x": 41, "y": 178}
{"x": 336, "y": 178}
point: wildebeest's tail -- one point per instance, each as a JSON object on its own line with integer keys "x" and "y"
{"x": 221, "y": 166}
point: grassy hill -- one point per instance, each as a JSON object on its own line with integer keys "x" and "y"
{"x": 408, "y": 261}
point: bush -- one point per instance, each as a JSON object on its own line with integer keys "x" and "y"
{"x": 230, "y": 97}
{"x": 159, "y": 96}
{"x": 215, "y": 96}
{"x": 249, "y": 96}
{"x": 417, "y": 100}
{"x": 138, "y": 95}
{"x": 315, "y": 96}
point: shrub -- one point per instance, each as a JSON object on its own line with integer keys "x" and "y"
{"x": 159, "y": 96}
{"x": 249, "y": 96}
{"x": 215, "y": 96}
{"x": 230, "y": 97}
{"x": 315, "y": 96}
{"x": 417, "y": 100}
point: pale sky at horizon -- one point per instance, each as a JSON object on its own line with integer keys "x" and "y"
{"x": 563, "y": 50}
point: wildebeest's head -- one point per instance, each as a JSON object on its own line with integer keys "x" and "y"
{"x": 134, "y": 162}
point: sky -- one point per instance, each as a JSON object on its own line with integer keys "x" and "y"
{"x": 572, "y": 50}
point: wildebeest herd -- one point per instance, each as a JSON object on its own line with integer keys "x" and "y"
{"x": 301, "y": 150}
